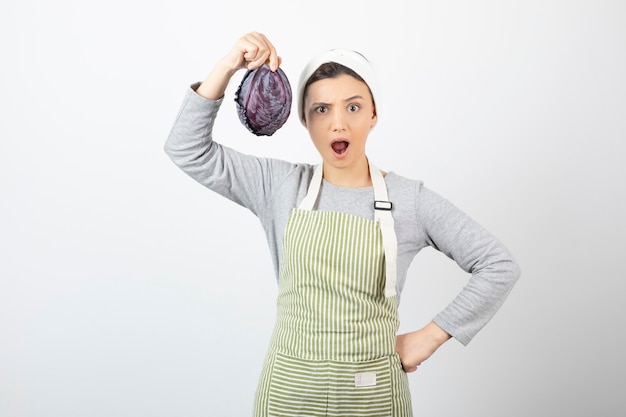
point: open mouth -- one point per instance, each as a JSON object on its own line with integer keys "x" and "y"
{"x": 340, "y": 146}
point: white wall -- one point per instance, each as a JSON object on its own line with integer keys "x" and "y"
{"x": 126, "y": 289}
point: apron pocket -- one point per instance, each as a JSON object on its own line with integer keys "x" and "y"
{"x": 361, "y": 388}
{"x": 302, "y": 387}
{"x": 401, "y": 394}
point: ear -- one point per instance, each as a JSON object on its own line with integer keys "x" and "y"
{"x": 374, "y": 119}
{"x": 303, "y": 119}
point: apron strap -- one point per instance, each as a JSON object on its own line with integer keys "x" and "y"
{"x": 382, "y": 215}
{"x": 314, "y": 189}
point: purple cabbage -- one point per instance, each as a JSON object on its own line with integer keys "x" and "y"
{"x": 263, "y": 100}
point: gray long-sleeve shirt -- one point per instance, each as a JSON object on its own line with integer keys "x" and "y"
{"x": 271, "y": 188}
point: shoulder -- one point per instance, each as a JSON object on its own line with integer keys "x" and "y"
{"x": 412, "y": 198}
{"x": 290, "y": 181}
{"x": 402, "y": 188}
{"x": 295, "y": 172}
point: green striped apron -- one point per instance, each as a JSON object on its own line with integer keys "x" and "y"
{"x": 332, "y": 352}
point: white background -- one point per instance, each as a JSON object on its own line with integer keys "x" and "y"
{"x": 126, "y": 289}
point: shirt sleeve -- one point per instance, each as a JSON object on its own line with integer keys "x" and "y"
{"x": 493, "y": 269}
{"x": 247, "y": 180}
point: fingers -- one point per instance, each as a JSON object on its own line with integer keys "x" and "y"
{"x": 408, "y": 366}
{"x": 410, "y": 351}
{"x": 256, "y": 50}
{"x": 409, "y": 369}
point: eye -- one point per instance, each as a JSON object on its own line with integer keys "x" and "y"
{"x": 321, "y": 109}
{"x": 353, "y": 108}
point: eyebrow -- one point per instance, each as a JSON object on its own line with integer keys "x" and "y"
{"x": 321, "y": 103}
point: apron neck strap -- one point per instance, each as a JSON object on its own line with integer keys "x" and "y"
{"x": 314, "y": 189}
{"x": 382, "y": 215}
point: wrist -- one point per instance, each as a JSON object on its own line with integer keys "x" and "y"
{"x": 225, "y": 68}
{"x": 214, "y": 85}
{"x": 436, "y": 334}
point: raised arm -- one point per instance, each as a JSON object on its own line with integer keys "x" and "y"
{"x": 242, "y": 178}
{"x": 249, "y": 52}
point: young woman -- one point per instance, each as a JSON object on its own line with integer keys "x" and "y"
{"x": 342, "y": 235}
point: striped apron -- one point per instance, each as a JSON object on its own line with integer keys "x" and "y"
{"x": 332, "y": 352}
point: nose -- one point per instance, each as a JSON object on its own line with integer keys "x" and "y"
{"x": 338, "y": 120}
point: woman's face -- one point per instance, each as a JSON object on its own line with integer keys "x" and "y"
{"x": 339, "y": 114}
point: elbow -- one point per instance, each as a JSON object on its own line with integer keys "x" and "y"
{"x": 510, "y": 267}
{"x": 516, "y": 269}
{"x": 172, "y": 147}
{"x": 512, "y": 272}
{"x": 168, "y": 146}
{"x": 169, "y": 150}
{"x": 516, "y": 272}
{"x": 507, "y": 270}
{"x": 174, "y": 155}
{"x": 182, "y": 156}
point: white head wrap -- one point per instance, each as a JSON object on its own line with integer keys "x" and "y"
{"x": 348, "y": 58}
